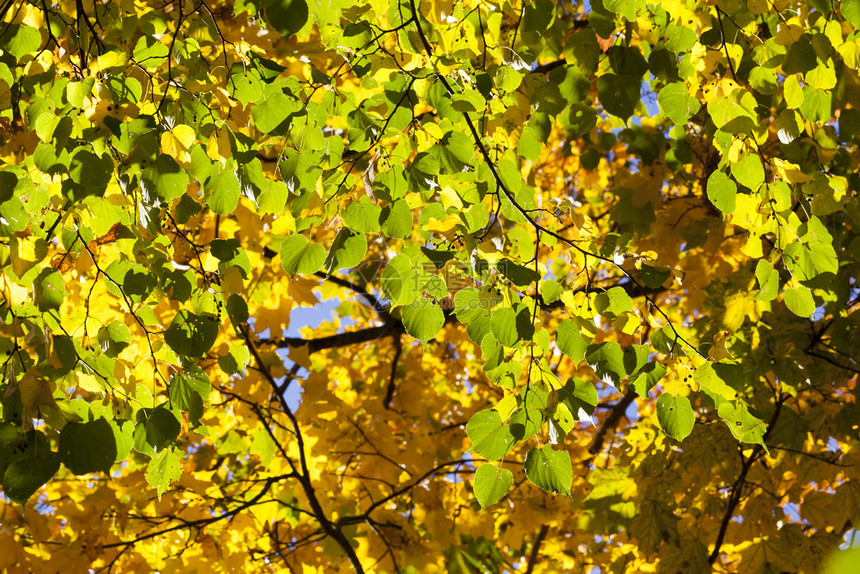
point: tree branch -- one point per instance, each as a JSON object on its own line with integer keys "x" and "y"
{"x": 394, "y": 327}
{"x": 738, "y": 486}
{"x": 388, "y": 329}
{"x": 304, "y": 477}
{"x": 389, "y": 393}
{"x": 611, "y": 421}
{"x": 377, "y": 305}
{"x": 544, "y": 528}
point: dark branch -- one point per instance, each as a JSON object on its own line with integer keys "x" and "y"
{"x": 374, "y": 302}
{"x": 389, "y": 393}
{"x": 738, "y": 486}
{"x": 392, "y": 328}
{"x": 304, "y": 477}
{"x": 536, "y": 547}
{"x": 611, "y": 421}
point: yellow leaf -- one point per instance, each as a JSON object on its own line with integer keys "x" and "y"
{"x": 301, "y": 291}
{"x": 176, "y": 142}
{"x": 315, "y": 207}
{"x": 627, "y": 323}
{"x": 218, "y": 145}
{"x": 443, "y": 226}
{"x": 284, "y": 224}
{"x": 850, "y": 52}
{"x": 89, "y": 383}
{"x": 35, "y": 391}
{"x": 833, "y": 31}
{"x": 450, "y": 198}
{"x": 793, "y": 92}
{"x": 719, "y": 351}
{"x": 506, "y": 406}
{"x": 788, "y": 33}
{"x": 788, "y": 171}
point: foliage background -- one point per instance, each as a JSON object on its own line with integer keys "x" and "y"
{"x": 613, "y": 242}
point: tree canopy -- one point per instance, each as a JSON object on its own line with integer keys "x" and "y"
{"x": 429, "y": 285}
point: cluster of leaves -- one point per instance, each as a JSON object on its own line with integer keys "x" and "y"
{"x": 580, "y": 232}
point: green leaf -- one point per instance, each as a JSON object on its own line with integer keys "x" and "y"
{"x": 840, "y": 561}
{"x": 529, "y": 146}
{"x": 134, "y": 280}
{"x": 654, "y": 277}
{"x": 190, "y": 335}
{"x": 582, "y": 50}
{"x": 298, "y": 256}
{"x": 676, "y": 415}
{"x": 469, "y": 305}
{"x": 188, "y": 391}
{"x": 222, "y": 190}
{"x": 503, "y": 325}
{"x": 149, "y": 52}
{"x": 8, "y": 183}
{"x": 362, "y": 216}
{"x": 50, "y": 291}
{"x": 549, "y": 469}
{"x": 20, "y": 40}
{"x": 582, "y": 119}
{"x": 527, "y": 420}
{"x": 607, "y": 360}
{"x": 800, "y": 57}
{"x": 618, "y": 94}
{"x": 347, "y": 250}
{"x": 422, "y": 319}
{"x": 613, "y": 302}
{"x": 550, "y": 291}
{"x": 626, "y": 8}
{"x": 799, "y": 301}
{"x": 743, "y": 425}
{"x": 677, "y": 104}
{"x": 231, "y": 254}
{"x": 236, "y": 359}
{"x": 663, "y": 340}
{"x": 768, "y": 281}
{"x": 647, "y": 377}
{"x": 89, "y": 170}
{"x": 538, "y": 16}
{"x": 123, "y": 434}
{"x": 491, "y": 438}
{"x": 579, "y": 396}
{"x": 237, "y": 309}
{"x": 722, "y": 192}
{"x": 273, "y": 109}
{"x": 807, "y": 260}
{"x": 851, "y": 12}
{"x": 113, "y": 338}
{"x": 287, "y": 16}
{"x": 187, "y": 208}
{"x": 13, "y": 216}
{"x": 396, "y": 220}
{"x": 273, "y": 199}
{"x": 164, "y": 469}
{"x": 816, "y": 105}
{"x": 156, "y": 428}
{"x": 88, "y": 447}
{"x": 24, "y": 476}
{"x": 519, "y": 275}
{"x": 399, "y": 282}
{"x": 491, "y": 484}
{"x": 77, "y": 91}
{"x": 570, "y": 340}
{"x": 748, "y": 171}
{"x": 165, "y": 180}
